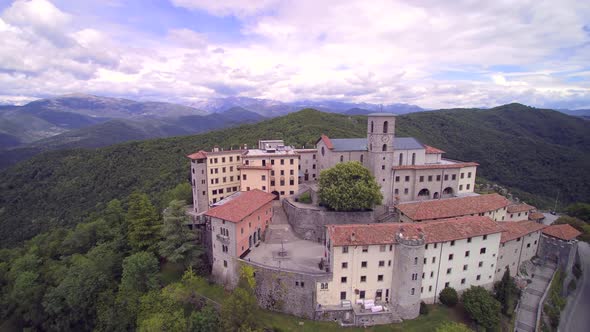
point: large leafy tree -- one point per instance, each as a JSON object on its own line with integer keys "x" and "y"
{"x": 178, "y": 242}
{"x": 482, "y": 307}
{"x": 143, "y": 222}
{"x": 452, "y": 327}
{"x": 349, "y": 187}
{"x": 238, "y": 310}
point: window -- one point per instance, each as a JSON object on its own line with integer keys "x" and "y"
{"x": 430, "y": 288}
{"x": 453, "y": 242}
{"x": 381, "y": 263}
{"x": 460, "y": 187}
{"x": 462, "y": 175}
{"x": 482, "y": 251}
{"x": 446, "y": 177}
{"x": 423, "y": 275}
{"x": 384, "y": 147}
{"x": 372, "y": 126}
{"x": 291, "y": 172}
{"x": 415, "y": 260}
{"x": 412, "y": 291}
{"x": 451, "y": 257}
{"x": 469, "y": 175}
{"x": 343, "y": 280}
{"x": 282, "y": 161}
{"x": 468, "y": 186}
{"x": 485, "y": 237}
{"x": 478, "y": 277}
{"x": 362, "y": 157}
{"x": 406, "y": 191}
{"x": 380, "y": 277}
{"x": 401, "y": 159}
{"x": 389, "y": 263}
{"x": 425, "y": 260}
{"x": 365, "y": 248}
{"x": 263, "y": 177}
{"x": 449, "y": 270}
{"x": 438, "y": 178}
{"x": 291, "y": 162}
{"x": 407, "y": 178}
{"x": 341, "y": 158}
{"x": 430, "y": 178}
{"x": 421, "y": 178}
{"x": 446, "y": 284}
{"x": 414, "y": 276}
{"x": 528, "y": 245}
{"x": 362, "y": 294}
{"x": 364, "y": 264}
{"x": 454, "y": 177}
{"x": 396, "y": 191}
{"x": 244, "y": 177}
{"x": 342, "y": 294}
{"x": 463, "y": 281}
{"x": 385, "y": 127}
{"x": 296, "y": 283}
{"x": 323, "y": 153}
{"x": 397, "y": 179}
{"x": 302, "y": 284}
{"x": 480, "y": 264}
{"x": 467, "y": 253}
{"x": 413, "y": 159}
{"x": 345, "y": 250}
{"x": 433, "y": 260}
{"x": 363, "y": 278}
{"x": 324, "y": 285}
{"x": 382, "y": 248}
{"x": 431, "y": 274}
{"x": 469, "y": 240}
{"x": 465, "y": 267}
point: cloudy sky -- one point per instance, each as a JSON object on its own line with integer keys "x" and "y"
{"x": 425, "y": 52}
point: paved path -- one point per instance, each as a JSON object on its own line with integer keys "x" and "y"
{"x": 526, "y": 317}
{"x": 576, "y": 315}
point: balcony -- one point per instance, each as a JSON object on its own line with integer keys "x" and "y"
{"x": 223, "y": 238}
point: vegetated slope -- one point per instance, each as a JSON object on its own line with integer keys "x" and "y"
{"x": 117, "y": 131}
{"x": 60, "y": 187}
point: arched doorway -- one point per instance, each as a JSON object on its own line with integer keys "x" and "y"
{"x": 424, "y": 194}
{"x": 435, "y": 196}
{"x": 448, "y": 192}
{"x": 277, "y": 195}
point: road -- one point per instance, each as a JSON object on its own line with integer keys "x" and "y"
{"x": 575, "y": 316}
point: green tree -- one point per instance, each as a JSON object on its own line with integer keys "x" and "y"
{"x": 205, "y": 320}
{"x": 579, "y": 210}
{"x": 506, "y": 293}
{"x": 482, "y": 307}
{"x": 448, "y": 296}
{"x": 160, "y": 312}
{"x": 452, "y": 327}
{"x": 143, "y": 222}
{"x": 182, "y": 192}
{"x": 140, "y": 275}
{"x": 178, "y": 243}
{"x": 349, "y": 187}
{"x": 237, "y": 311}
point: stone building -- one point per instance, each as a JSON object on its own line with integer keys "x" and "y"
{"x": 559, "y": 244}
{"x": 493, "y": 206}
{"x": 406, "y": 169}
{"x": 519, "y": 244}
{"x": 237, "y": 224}
{"x": 273, "y": 170}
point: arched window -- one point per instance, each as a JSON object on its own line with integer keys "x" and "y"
{"x": 323, "y": 151}
{"x": 401, "y": 159}
{"x": 362, "y": 157}
{"x": 384, "y": 148}
{"x": 341, "y": 158}
{"x": 413, "y": 159}
{"x": 424, "y": 194}
{"x": 372, "y": 126}
{"x": 385, "y": 125}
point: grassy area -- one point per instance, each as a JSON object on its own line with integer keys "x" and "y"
{"x": 282, "y": 322}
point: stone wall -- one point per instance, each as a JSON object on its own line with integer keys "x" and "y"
{"x": 286, "y": 291}
{"x": 565, "y": 252}
{"x": 309, "y": 221}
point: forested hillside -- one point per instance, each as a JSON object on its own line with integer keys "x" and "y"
{"x": 531, "y": 150}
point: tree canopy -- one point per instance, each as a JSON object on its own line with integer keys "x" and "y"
{"x": 349, "y": 187}
{"x": 482, "y": 307}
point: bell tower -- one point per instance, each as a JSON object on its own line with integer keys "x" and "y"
{"x": 380, "y": 136}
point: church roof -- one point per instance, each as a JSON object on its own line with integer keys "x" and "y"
{"x": 360, "y": 144}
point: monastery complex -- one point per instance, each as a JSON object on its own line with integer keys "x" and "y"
{"x": 361, "y": 268}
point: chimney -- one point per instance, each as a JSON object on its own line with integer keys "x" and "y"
{"x": 245, "y": 146}
{"x": 352, "y": 237}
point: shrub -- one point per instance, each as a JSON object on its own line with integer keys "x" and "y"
{"x": 448, "y": 296}
{"x": 482, "y": 307}
{"x": 423, "y": 308}
{"x": 305, "y": 198}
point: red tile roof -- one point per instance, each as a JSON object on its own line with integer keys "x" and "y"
{"x": 326, "y": 141}
{"x": 516, "y": 229}
{"x": 438, "y": 166}
{"x": 452, "y": 207}
{"x": 536, "y": 216}
{"x": 198, "y": 155}
{"x": 515, "y": 208}
{"x": 562, "y": 231}
{"x": 246, "y": 203}
{"x": 434, "y": 232}
{"x": 430, "y": 149}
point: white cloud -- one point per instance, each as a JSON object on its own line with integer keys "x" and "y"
{"x": 379, "y": 51}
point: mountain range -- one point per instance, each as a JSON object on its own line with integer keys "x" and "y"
{"x": 536, "y": 153}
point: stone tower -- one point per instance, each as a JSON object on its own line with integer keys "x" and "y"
{"x": 407, "y": 274}
{"x": 380, "y": 136}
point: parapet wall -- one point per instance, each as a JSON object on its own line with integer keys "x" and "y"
{"x": 309, "y": 221}
{"x": 286, "y": 291}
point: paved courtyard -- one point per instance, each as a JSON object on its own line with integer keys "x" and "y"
{"x": 282, "y": 249}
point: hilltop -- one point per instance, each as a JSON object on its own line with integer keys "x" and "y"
{"x": 531, "y": 150}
